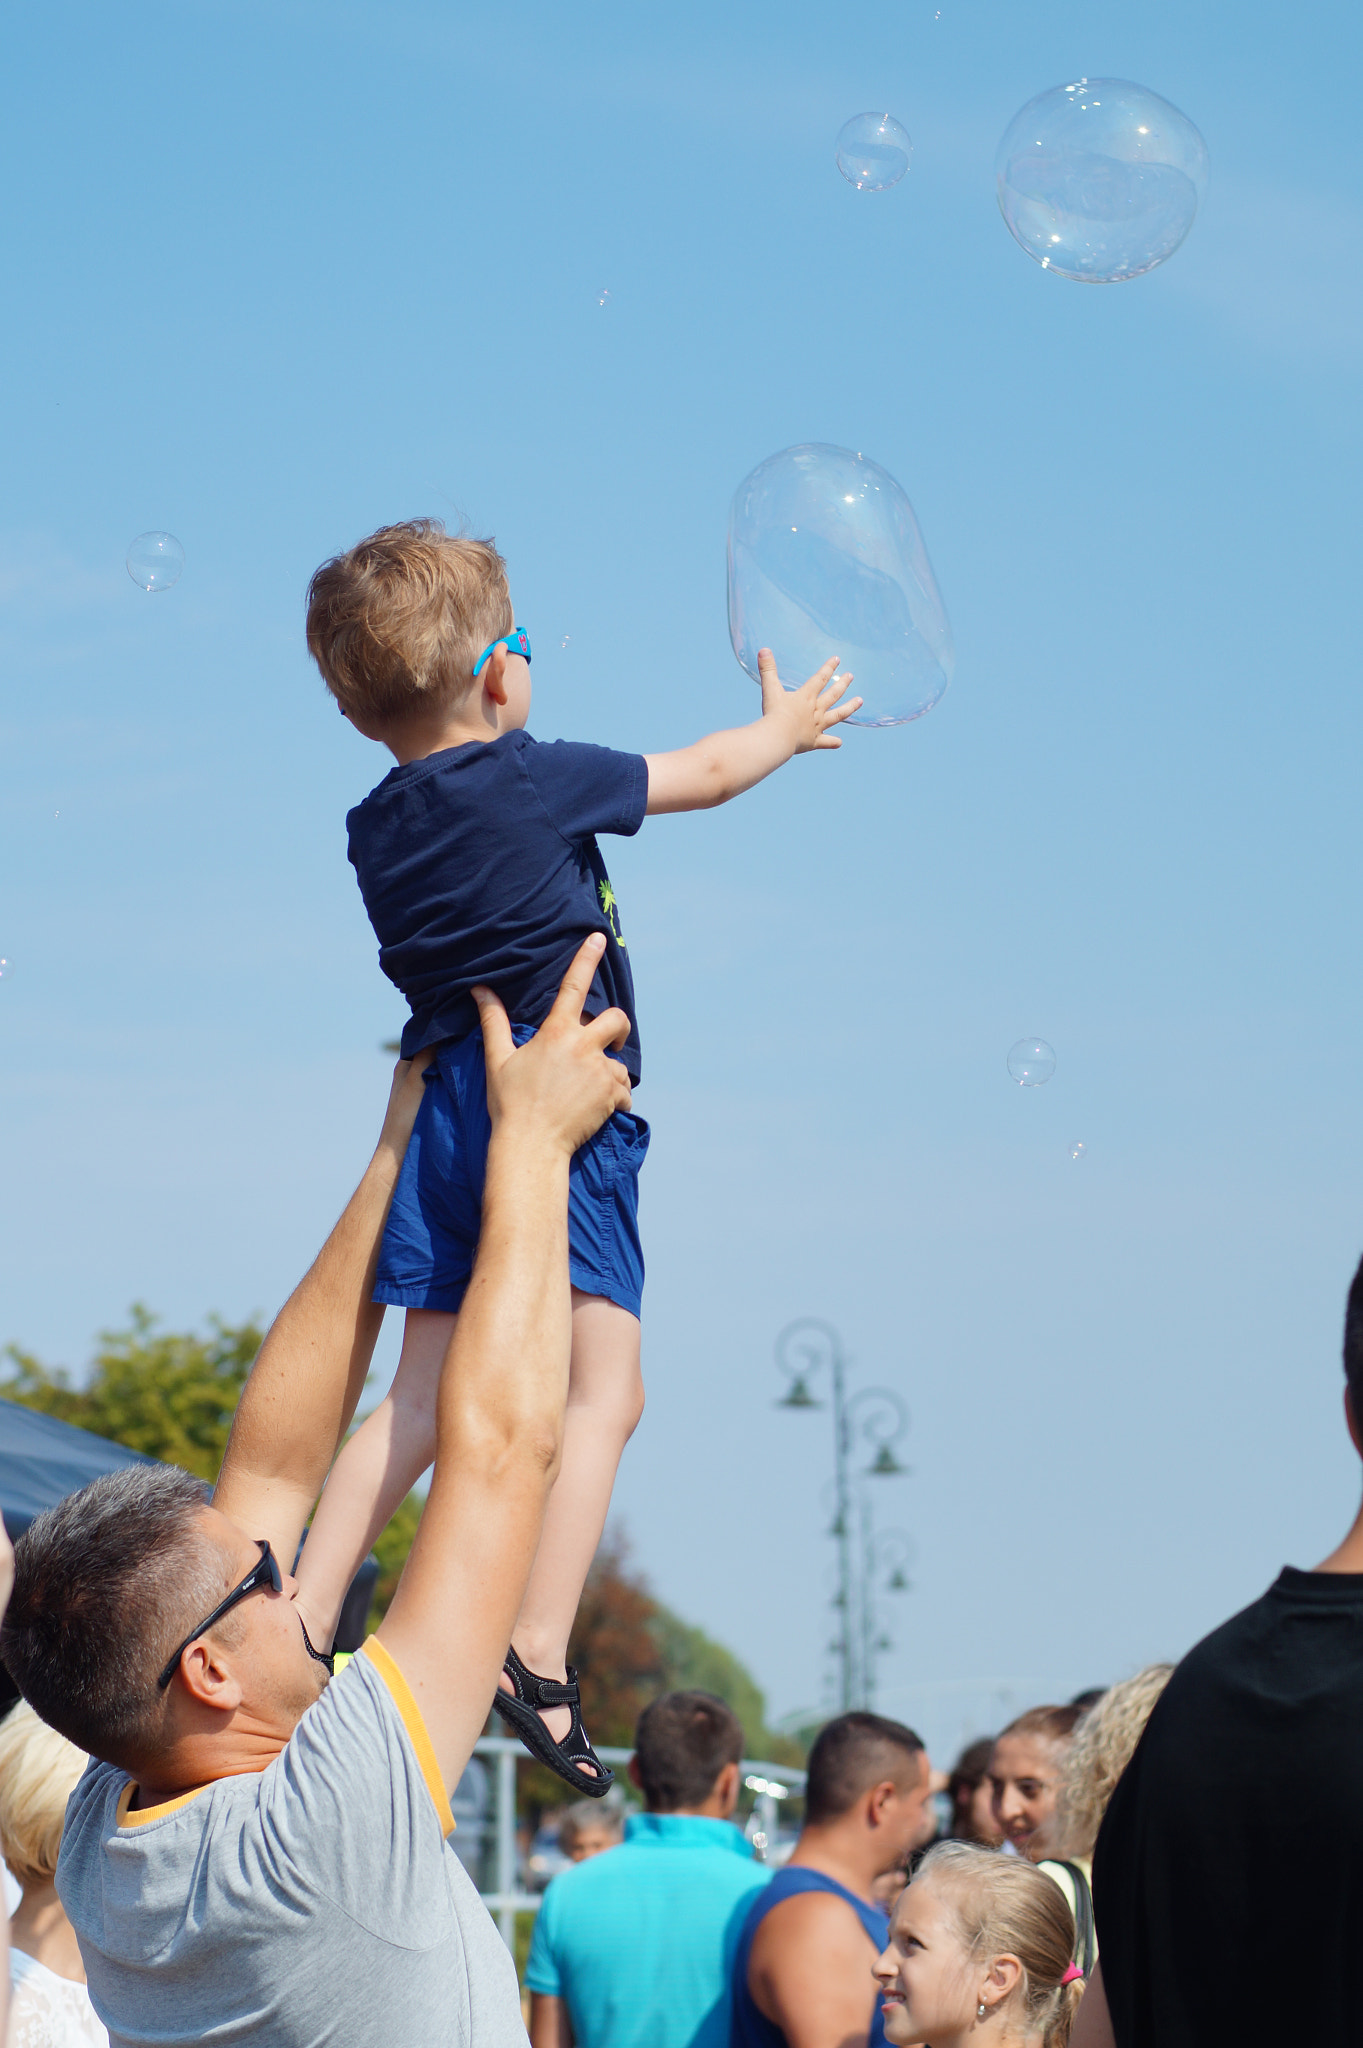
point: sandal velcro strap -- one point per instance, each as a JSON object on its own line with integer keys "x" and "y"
{"x": 520, "y": 1710}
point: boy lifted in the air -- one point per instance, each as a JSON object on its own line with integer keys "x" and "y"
{"x": 478, "y": 862}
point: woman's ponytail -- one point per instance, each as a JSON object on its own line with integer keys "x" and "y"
{"x": 1056, "y": 2029}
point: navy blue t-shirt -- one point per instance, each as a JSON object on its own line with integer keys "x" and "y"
{"x": 480, "y": 864}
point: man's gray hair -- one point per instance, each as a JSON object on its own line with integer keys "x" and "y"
{"x": 105, "y": 1584}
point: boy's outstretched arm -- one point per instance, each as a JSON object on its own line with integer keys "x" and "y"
{"x": 724, "y": 765}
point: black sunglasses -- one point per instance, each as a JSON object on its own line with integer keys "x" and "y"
{"x": 266, "y": 1573}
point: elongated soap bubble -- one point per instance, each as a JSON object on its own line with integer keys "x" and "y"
{"x": 155, "y": 560}
{"x": 1101, "y": 179}
{"x": 1031, "y": 1062}
{"x": 825, "y": 558}
{"x": 873, "y": 151}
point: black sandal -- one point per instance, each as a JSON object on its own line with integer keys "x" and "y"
{"x": 520, "y": 1711}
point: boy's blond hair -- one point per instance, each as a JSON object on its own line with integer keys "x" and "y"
{"x": 38, "y": 1773}
{"x": 396, "y": 623}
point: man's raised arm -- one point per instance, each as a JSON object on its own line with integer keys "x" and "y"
{"x": 311, "y": 1369}
{"x": 499, "y": 1411}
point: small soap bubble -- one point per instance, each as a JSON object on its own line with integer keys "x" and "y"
{"x": 1078, "y": 1149}
{"x": 873, "y": 151}
{"x": 4, "y": 969}
{"x": 1100, "y": 179}
{"x": 155, "y": 561}
{"x": 602, "y": 296}
{"x": 564, "y": 641}
{"x": 1031, "y": 1062}
{"x": 825, "y": 557}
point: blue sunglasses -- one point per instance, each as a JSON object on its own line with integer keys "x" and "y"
{"x": 515, "y": 642}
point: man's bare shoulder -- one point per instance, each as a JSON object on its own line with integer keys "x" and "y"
{"x": 811, "y": 1919}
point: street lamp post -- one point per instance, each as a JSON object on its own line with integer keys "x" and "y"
{"x": 803, "y": 1350}
{"x": 886, "y": 1555}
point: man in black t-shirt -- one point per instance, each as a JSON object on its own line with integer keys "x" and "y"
{"x": 1258, "y": 1739}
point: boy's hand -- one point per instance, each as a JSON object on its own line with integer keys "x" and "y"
{"x": 562, "y": 1082}
{"x": 813, "y": 709}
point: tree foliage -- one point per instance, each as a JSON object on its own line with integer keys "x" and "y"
{"x": 172, "y": 1395}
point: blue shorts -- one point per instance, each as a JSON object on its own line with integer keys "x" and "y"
{"x": 426, "y": 1258}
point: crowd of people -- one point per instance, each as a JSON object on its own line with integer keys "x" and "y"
{"x": 674, "y": 1937}
{"x": 258, "y": 1851}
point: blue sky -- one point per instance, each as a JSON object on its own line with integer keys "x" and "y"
{"x": 275, "y": 275}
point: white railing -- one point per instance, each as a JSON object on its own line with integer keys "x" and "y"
{"x": 771, "y": 1783}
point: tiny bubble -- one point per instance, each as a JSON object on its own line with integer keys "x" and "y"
{"x": 4, "y": 969}
{"x": 564, "y": 641}
{"x": 602, "y": 296}
{"x": 1078, "y": 1149}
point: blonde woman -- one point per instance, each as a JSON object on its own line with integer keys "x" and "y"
{"x": 1103, "y": 1745}
{"x": 979, "y": 1953}
{"x": 50, "y": 2006}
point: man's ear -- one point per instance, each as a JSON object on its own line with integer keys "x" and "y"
{"x": 724, "y": 1791}
{"x": 206, "y": 1678}
{"x": 493, "y": 677}
{"x": 879, "y": 1799}
{"x": 632, "y": 1772}
{"x": 1352, "y": 1420}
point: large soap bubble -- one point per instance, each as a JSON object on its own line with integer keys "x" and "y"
{"x": 825, "y": 558}
{"x": 155, "y": 561}
{"x": 1100, "y": 180}
{"x": 873, "y": 151}
{"x": 1031, "y": 1063}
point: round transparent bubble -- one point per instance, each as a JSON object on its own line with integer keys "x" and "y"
{"x": 1031, "y": 1062}
{"x": 825, "y": 558}
{"x": 873, "y": 151}
{"x": 155, "y": 560}
{"x": 1078, "y": 1149}
{"x": 1101, "y": 179}
{"x": 4, "y": 969}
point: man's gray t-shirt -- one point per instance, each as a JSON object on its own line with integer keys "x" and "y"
{"x": 317, "y": 1901}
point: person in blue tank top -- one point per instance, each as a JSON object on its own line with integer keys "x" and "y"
{"x": 802, "y": 1972}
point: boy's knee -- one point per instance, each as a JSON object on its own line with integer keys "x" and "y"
{"x": 634, "y": 1405}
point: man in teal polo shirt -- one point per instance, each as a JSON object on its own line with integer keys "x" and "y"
{"x": 635, "y": 1948}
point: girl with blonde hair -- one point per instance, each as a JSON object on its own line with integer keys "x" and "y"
{"x": 979, "y": 1953}
{"x": 50, "y": 2006}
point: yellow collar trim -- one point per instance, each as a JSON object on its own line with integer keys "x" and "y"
{"x": 125, "y": 1818}
{"x": 407, "y": 1707}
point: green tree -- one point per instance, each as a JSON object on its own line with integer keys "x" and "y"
{"x": 169, "y": 1394}
{"x": 173, "y": 1395}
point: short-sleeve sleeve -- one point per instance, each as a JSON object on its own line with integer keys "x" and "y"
{"x": 541, "y": 1970}
{"x": 586, "y": 789}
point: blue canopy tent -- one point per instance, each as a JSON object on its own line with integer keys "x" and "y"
{"x": 42, "y": 1460}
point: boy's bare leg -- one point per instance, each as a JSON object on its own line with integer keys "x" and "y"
{"x": 605, "y": 1401}
{"x": 374, "y": 1473}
